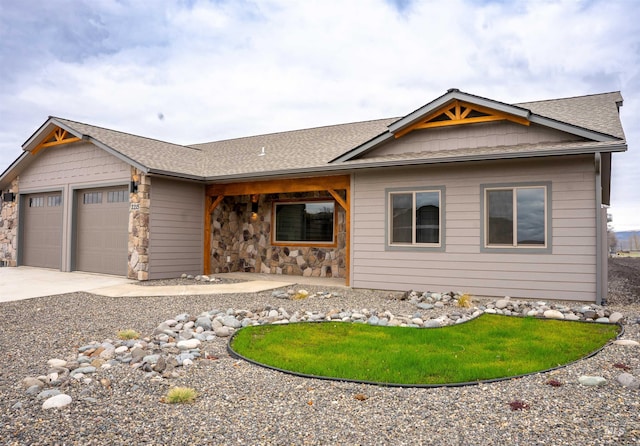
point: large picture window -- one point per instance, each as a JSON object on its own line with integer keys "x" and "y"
{"x": 303, "y": 222}
{"x": 415, "y": 218}
{"x": 515, "y": 217}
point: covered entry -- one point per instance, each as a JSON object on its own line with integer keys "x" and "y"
{"x": 102, "y": 219}
{"x": 42, "y": 230}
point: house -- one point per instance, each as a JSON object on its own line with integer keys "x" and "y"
{"x": 465, "y": 193}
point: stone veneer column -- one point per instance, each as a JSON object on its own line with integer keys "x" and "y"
{"x": 139, "y": 227}
{"x": 9, "y": 229}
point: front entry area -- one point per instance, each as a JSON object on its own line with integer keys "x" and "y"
{"x": 101, "y": 236}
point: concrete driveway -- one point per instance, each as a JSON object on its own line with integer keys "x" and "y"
{"x": 26, "y": 282}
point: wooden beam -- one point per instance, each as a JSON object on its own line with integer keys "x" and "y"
{"x": 338, "y": 198}
{"x": 215, "y": 204}
{"x": 281, "y": 186}
{"x": 57, "y": 137}
{"x": 458, "y": 113}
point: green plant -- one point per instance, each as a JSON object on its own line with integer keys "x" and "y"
{"x": 464, "y": 301}
{"x": 178, "y": 395}
{"x": 488, "y": 347}
{"x": 128, "y": 334}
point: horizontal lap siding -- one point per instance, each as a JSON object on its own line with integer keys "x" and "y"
{"x": 176, "y": 228}
{"x": 567, "y": 273}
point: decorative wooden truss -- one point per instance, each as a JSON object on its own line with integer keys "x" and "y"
{"x": 459, "y": 112}
{"x": 215, "y": 193}
{"x": 57, "y": 137}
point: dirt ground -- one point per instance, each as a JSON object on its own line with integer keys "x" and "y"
{"x": 624, "y": 280}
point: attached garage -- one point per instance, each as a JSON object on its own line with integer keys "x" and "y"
{"x": 101, "y": 234}
{"x": 42, "y": 230}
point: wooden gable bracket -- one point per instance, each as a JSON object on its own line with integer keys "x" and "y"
{"x": 57, "y": 137}
{"x": 459, "y": 112}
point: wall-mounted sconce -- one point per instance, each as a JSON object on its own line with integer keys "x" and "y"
{"x": 8, "y": 196}
{"x": 135, "y": 181}
{"x": 254, "y": 207}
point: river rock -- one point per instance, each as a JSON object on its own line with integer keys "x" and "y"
{"x": 57, "y": 401}
{"x": 553, "y": 314}
{"x": 592, "y": 380}
{"x": 188, "y": 344}
{"x": 628, "y": 380}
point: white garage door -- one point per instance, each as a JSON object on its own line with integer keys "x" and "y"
{"x": 42, "y": 230}
{"x": 102, "y": 220}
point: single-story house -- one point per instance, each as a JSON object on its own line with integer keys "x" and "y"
{"x": 465, "y": 193}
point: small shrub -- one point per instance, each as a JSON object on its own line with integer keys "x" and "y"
{"x": 554, "y": 383}
{"x": 178, "y": 395}
{"x": 128, "y": 334}
{"x": 464, "y": 301}
{"x": 518, "y": 405}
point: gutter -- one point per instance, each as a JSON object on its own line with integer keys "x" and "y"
{"x": 599, "y": 259}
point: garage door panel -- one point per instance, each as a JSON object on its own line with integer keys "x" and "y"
{"x": 42, "y": 230}
{"x": 101, "y": 230}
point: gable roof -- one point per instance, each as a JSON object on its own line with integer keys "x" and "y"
{"x": 593, "y": 119}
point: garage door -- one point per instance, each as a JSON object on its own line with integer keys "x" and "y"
{"x": 42, "y": 230}
{"x": 102, "y": 220}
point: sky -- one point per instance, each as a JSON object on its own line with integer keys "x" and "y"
{"x": 194, "y": 71}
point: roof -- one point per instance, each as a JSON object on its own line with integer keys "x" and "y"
{"x": 593, "y": 119}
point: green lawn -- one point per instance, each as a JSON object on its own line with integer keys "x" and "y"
{"x": 488, "y": 347}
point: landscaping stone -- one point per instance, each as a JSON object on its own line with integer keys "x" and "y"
{"x": 58, "y": 401}
{"x": 586, "y": 380}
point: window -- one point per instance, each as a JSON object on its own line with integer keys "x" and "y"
{"x": 516, "y": 217}
{"x": 54, "y": 200}
{"x": 415, "y": 218}
{"x": 305, "y": 222}
{"x": 117, "y": 196}
{"x": 36, "y": 202}
{"x": 92, "y": 198}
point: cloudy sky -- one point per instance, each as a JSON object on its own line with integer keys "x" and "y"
{"x": 194, "y": 71}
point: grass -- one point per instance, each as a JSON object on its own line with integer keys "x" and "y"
{"x": 128, "y": 334}
{"x": 177, "y": 395}
{"x": 488, "y": 347}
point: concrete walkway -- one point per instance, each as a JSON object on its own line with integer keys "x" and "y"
{"x": 26, "y": 282}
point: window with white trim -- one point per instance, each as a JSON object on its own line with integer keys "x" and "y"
{"x": 303, "y": 222}
{"x": 415, "y": 218}
{"x": 515, "y": 217}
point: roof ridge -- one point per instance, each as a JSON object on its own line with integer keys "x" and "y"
{"x": 124, "y": 133}
{"x": 291, "y": 131}
{"x": 568, "y": 97}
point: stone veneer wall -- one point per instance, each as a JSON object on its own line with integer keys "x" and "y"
{"x": 9, "y": 229}
{"x": 139, "y": 228}
{"x": 247, "y": 244}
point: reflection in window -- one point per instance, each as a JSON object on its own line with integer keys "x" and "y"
{"x": 36, "y": 202}
{"x": 305, "y": 222}
{"x": 117, "y": 196}
{"x": 415, "y": 218}
{"x": 92, "y": 198}
{"x": 516, "y": 216}
{"x": 54, "y": 200}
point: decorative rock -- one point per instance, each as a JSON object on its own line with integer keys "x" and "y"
{"x": 188, "y": 344}
{"x": 30, "y": 382}
{"x": 57, "y": 363}
{"x": 615, "y": 317}
{"x": 628, "y": 380}
{"x": 626, "y": 342}
{"x": 432, "y": 323}
{"x": 603, "y": 320}
{"x": 592, "y": 380}
{"x": 83, "y": 370}
{"x": 57, "y": 401}
{"x": 33, "y": 390}
{"x": 502, "y": 303}
{"x": 553, "y": 314}
{"x": 48, "y": 393}
{"x": 231, "y": 321}
{"x": 204, "y": 322}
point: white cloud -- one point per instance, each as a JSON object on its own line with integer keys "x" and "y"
{"x": 219, "y": 69}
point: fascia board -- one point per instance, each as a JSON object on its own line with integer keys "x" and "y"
{"x": 416, "y": 161}
{"x": 572, "y": 129}
{"x": 15, "y": 165}
{"x": 182, "y": 176}
{"x": 415, "y": 116}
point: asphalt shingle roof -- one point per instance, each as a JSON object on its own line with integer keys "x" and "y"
{"x": 314, "y": 148}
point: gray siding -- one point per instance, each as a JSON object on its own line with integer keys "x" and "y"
{"x": 472, "y": 136}
{"x": 569, "y": 272}
{"x": 176, "y": 228}
{"x": 67, "y": 168}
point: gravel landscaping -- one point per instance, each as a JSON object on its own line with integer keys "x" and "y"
{"x": 241, "y": 403}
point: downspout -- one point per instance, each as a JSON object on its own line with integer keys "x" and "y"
{"x": 598, "y": 164}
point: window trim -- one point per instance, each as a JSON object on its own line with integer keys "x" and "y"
{"x": 547, "y": 248}
{"x": 427, "y": 247}
{"x": 302, "y": 243}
